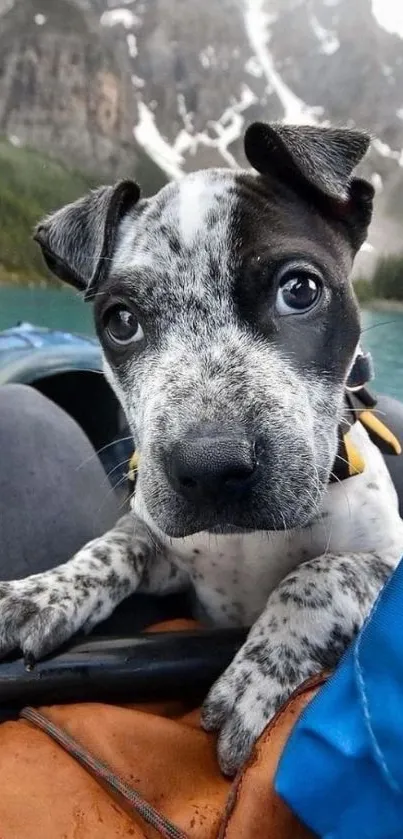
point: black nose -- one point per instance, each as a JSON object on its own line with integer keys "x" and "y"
{"x": 211, "y": 464}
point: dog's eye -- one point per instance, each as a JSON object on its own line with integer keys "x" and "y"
{"x": 121, "y": 326}
{"x": 299, "y": 289}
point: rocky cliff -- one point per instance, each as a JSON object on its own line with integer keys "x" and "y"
{"x": 152, "y": 86}
{"x": 64, "y": 89}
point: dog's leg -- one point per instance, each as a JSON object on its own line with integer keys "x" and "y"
{"x": 307, "y": 624}
{"x": 39, "y": 613}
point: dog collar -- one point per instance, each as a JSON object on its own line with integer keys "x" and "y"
{"x": 359, "y": 407}
{"x": 133, "y": 467}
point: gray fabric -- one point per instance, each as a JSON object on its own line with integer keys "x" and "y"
{"x": 54, "y": 495}
{"x": 391, "y": 412}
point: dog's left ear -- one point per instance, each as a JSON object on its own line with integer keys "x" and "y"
{"x": 79, "y": 240}
{"x": 318, "y": 162}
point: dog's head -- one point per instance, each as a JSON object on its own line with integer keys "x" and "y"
{"x": 228, "y": 324}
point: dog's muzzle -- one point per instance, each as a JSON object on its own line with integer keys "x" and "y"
{"x": 225, "y": 479}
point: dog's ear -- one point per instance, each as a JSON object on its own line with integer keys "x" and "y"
{"x": 317, "y": 162}
{"x": 78, "y": 241}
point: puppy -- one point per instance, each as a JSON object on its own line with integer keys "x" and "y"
{"x": 229, "y": 327}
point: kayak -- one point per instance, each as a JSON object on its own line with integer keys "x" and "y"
{"x": 30, "y": 353}
{"x": 67, "y": 368}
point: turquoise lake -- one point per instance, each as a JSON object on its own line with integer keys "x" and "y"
{"x": 382, "y": 331}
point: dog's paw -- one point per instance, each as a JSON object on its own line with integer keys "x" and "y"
{"x": 239, "y": 706}
{"x": 39, "y": 614}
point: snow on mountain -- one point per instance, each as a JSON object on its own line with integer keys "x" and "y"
{"x": 148, "y": 136}
{"x": 114, "y": 85}
{"x": 115, "y": 17}
{"x": 257, "y": 26}
{"x": 302, "y": 62}
{"x": 389, "y": 14}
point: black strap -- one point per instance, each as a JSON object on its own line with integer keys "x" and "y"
{"x": 361, "y": 372}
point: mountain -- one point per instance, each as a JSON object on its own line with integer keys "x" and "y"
{"x": 156, "y": 88}
{"x": 66, "y": 90}
{"x": 30, "y": 186}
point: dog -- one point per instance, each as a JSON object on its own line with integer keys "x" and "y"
{"x": 229, "y": 328}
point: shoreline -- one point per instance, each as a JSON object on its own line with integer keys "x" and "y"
{"x": 378, "y": 305}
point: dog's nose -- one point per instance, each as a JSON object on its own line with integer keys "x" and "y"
{"x": 212, "y": 464}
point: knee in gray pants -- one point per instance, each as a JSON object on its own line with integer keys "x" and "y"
{"x": 54, "y": 495}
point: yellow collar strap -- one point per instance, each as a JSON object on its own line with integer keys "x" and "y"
{"x": 355, "y": 463}
{"x": 349, "y": 461}
{"x": 380, "y": 433}
{"x": 385, "y": 440}
{"x": 133, "y": 467}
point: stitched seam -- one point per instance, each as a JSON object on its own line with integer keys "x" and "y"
{"x": 253, "y": 760}
{"x": 394, "y": 785}
{"x": 309, "y": 684}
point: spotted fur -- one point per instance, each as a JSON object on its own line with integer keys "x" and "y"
{"x": 295, "y": 558}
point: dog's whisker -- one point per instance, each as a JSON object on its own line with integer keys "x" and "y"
{"x": 114, "y": 468}
{"x": 92, "y": 370}
{"x": 342, "y": 459}
{"x": 102, "y": 449}
{"x": 112, "y": 490}
{"x": 124, "y": 503}
{"x": 338, "y": 481}
{"x": 370, "y": 410}
{"x": 327, "y": 546}
{"x": 378, "y": 324}
{"x": 350, "y": 424}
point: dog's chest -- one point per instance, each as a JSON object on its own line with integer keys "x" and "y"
{"x": 233, "y": 575}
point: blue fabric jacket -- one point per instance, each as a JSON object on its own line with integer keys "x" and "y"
{"x": 342, "y": 768}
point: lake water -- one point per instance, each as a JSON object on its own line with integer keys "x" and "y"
{"x": 382, "y": 331}
{"x": 58, "y": 309}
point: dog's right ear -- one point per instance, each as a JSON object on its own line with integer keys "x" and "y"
{"x": 79, "y": 240}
